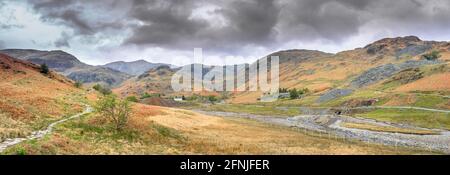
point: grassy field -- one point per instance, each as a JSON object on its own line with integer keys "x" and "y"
{"x": 252, "y": 109}
{"x": 156, "y": 130}
{"x": 419, "y": 118}
{"x": 379, "y": 128}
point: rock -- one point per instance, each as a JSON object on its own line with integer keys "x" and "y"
{"x": 333, "y": 94}
{"x": 374, "y": 49}
{"x": 413, "y": 50}
{"x": 385, "y": 71}
{"x": 374, "y": 75}
{"x": 413, "y": 64}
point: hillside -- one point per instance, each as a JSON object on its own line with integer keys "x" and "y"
{"x": 155, "y": 80}
{"x": 70, "y": 66}
{"x": 135, "y": 67}
{"x": 361, "y": 69}
{"x": 383, "y": 69}
{"x": 30, "y": 100}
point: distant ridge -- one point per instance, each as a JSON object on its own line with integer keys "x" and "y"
{"x": 70, "y": 66}
{"x": 137, "y": 67}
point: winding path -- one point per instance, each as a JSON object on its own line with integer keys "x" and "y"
{"x": 39, "y": 134}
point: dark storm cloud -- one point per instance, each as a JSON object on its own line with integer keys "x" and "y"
{"x": 266, "y": 23}
{"x": 169, "y": 23}
{"x": 165, "y": 22}
{"x": 320, "y": 19}
{"x": 81, "y": 16}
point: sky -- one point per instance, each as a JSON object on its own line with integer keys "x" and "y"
{"x": 228, "y": 31}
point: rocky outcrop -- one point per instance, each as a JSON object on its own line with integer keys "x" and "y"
{"x": 384, "y": 45}
{"x": 374, "y": 75}
{"x": 333, "y": 94}
{"x": 382, "y": 72}
{"x": 413, "y": 50}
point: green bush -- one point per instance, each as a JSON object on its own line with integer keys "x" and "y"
{"x": 212, "y": 98}
{"x": 295, "y": 94}
{"x": 101, "y": 89}
{"x": 132, "y": 99}
{"x": 44, "y": 69}
{"x": 146, "y": 95}
{"x": 283, "y": 90}
{"x": 97, "y": 87}
{"x": 78, "y": 84}
{"x": 434, "y": 55}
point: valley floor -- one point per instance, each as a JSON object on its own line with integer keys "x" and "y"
{"x": 159, "y": 130}
{"x": 362, "y": 129}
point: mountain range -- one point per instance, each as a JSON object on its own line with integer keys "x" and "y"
{"x": 134, "y": 67}
{"x": 354, "y": 71}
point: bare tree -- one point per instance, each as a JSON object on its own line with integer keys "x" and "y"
{"x": 117, "y": 110}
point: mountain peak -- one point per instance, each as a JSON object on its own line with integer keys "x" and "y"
{"x": 397, "y": 40}
{"x": 141, "y": 60}
{"x": 298, "y": 55}
{"x": 411, "y": 45}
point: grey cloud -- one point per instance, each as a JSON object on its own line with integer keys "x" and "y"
{"x": 7, "y": 19}
{"x": 165, "y": 23}
{"x": 261, "y": 23}
{"x": 320, "y": 19}
{"x": 82, "y": 16}
{"x": 9, "y": 26}
{"x": 339, "y": 19}
{"x": 63, "y": 41}
{"x": 2, "y": 44}
{"x": 170, "y": 25}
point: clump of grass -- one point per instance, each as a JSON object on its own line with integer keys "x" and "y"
{"x": 132, "y": 99}
{"x": 166, "y": 132}
{"x": 21, "y": 151}
{"x": 10, "y": 128}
